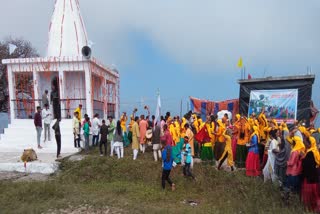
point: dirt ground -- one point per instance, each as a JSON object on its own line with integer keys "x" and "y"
{"x": 86, "y": 209}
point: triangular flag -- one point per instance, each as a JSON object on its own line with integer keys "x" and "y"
{"x": 249, "y": 77}
{"x": 12, "y": 48}
{"x": 240, "y": 64}
{"x": 91, "y": 43}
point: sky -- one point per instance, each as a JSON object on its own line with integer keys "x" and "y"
{"x": 182, "y": 47}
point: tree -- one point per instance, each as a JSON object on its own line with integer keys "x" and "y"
{"x": 24, "y": 50}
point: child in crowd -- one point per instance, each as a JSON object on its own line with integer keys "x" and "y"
{"x": 167, "y": 161}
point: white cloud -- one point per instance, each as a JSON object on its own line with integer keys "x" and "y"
{"x": 218, "y": 32}
{"x": 208, "y": 33}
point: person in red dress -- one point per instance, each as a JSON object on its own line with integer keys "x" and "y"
{"x": 310, "y": 190}
{"x": 253, "y": 162}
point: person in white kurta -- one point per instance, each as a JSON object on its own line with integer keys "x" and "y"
{"x": 268, "y": 170}
{"x": 95, "y": 130}
{"x": 47, "y": 119}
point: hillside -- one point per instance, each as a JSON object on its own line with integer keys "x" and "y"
{"x": 107, "y": 185}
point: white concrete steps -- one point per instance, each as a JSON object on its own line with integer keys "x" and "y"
{"x": 21, "y": 134}
{"x": 52, "y": 148}
{"x": 29, "y": 132}
{"x": 4, "y": 121}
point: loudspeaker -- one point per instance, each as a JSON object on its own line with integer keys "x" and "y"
{"x": 86, "y": 52}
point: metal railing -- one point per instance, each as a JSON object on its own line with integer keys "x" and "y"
{"x": 98, "y": 108}
{"x": 68, "y": 106}
{"x": 24, "y": 108}
{"x": 111, "y": 109}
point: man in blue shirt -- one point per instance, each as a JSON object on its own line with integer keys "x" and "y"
{"x": 186, "y": 153}
{"x": 167, "y": 159}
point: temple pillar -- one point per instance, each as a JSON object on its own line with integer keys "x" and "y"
{"x": 117, "y": 99}
{"x": 88, "y": 90}
{"x": 104, "y": 97}
{"x": 11, "y": 92}
{"x": 35, "y": 89}
{"x": 61, "y": 93}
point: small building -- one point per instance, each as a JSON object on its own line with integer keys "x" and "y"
{"x": 301, "y": 83}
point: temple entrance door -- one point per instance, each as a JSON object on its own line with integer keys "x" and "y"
{"x": 75, "y": 92}
{"x": 55, "y": 97}
{"x": 49, "y": 80}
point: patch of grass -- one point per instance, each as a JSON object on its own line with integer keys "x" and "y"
{"x": 134, "y": 187}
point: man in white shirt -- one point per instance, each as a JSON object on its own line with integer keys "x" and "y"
{"x": 47, "y": 118}
{"x": 95, "y": 130}
{"x": 268, "y": 170}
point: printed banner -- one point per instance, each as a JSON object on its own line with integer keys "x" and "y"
{"x": 278, "y": 104}
{"x": 207, "y": 107}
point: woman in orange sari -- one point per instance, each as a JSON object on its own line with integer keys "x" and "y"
{"x": 243, "y": 139}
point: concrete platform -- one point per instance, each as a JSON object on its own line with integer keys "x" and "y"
{"x": 21, "y": 135}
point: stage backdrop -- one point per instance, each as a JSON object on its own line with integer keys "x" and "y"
{"x": 278, "y": 104}
{"x": 302, "y": 83}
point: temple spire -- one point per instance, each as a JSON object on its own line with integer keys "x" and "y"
{"x": 67, "y": 32}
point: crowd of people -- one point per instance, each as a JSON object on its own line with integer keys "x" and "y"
{"x": 286, "y": 155}
{"x": 43, "y": 119}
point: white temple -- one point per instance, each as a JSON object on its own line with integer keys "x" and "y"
{"x": 78, "y": 78}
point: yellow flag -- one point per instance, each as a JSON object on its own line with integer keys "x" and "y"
{"x": 240, "y": 63}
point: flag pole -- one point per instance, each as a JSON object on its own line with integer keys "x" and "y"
{"x": 158, "y": 107}
{"x": 242, "y": 73}
{"x": 181, "y": 109}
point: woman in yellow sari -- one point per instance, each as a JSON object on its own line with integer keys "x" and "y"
{"x": 227, "y": 154}
{"x": 294, "y": 164}
{"x": 220, "y": 140}
{"x": 252, "y": 161}
{"x": 310, "y": 194}
{"x": 206, "y": 149}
